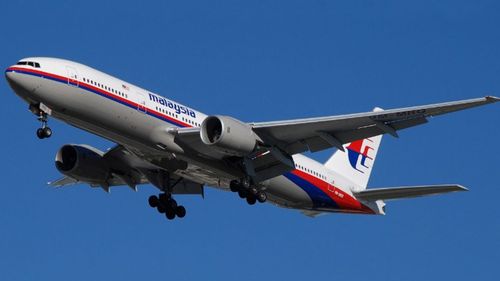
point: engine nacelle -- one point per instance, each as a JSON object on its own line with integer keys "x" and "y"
{"x": 83, "y": 163}
{"x": 228, "y": 135}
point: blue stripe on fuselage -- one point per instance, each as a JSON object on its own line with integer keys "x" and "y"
{"x": 109, "y": 96}
{"x": 318, "y": 197}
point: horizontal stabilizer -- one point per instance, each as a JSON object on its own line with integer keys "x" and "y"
{"x": 407, "y": 191}
{"x": 311, "y": 213}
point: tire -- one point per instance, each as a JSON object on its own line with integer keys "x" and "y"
{"x": 242, "y": 194}
{"x": 161, "y": 208}
{"x": 261, "y": 196}
{"x": 170, "y": 213}
{"x": 180, "y": 211}
{"x": 40, "y": 134}
{"x": 163, "y": 197}
{"x": 47, "y": 132}
{"x": 172, "y": 203}
{"x": 251, "y": 200}
{"x": 245, "y": 182}
{"x": 153, "y": 201}
{"x": 253, "y": 191}
{"x": 234, "y": 186}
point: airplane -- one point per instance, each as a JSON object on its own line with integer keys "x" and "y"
{"x": 180, "y": 150}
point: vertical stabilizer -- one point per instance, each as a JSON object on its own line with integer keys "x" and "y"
{"x": 356, "y": 162}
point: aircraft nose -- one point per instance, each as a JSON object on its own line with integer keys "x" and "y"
{"x": 8, "y": 74}
{"x": 15, "y": 81}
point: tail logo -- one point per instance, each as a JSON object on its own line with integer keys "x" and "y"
{"x": 355, "y": 151}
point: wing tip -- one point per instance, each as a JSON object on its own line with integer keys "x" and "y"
{"x": 492, "y": 98}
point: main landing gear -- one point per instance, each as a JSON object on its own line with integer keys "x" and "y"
{"x": 165, "y": 204}
{"x": 246, "y": 191}
{"x": 43, "y": 132}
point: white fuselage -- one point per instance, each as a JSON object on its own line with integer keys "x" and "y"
{"x": 136, "y": 118}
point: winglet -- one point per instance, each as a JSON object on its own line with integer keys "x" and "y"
{"x": 492, "y": 98}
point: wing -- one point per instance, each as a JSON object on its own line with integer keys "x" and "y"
{"x": 128, "y": 169}
{"x": 374, "y": 194}
{"x": 314, "y": 134}
{"x": 280, "y": 139}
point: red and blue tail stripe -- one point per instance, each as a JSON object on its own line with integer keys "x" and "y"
{"x": 323, "y": 198}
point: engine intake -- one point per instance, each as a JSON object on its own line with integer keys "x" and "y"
{"x": 228, "y": 135}
{"x": 83, "y": 163}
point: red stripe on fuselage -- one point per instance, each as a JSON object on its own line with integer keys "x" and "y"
{"x": 345, "y": 201}
{"x": 90, "y": 86}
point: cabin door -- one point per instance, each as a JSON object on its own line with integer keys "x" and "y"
{"x": 72, "y": 76}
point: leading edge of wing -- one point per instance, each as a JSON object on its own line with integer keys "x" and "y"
{"x": 430, "y": 110}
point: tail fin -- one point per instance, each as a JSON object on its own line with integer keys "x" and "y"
{"x": 356, "y": 162}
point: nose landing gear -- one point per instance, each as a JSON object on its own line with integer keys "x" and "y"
{"x": 43, "y": 132}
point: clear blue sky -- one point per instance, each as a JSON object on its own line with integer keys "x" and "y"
{"x": 257, "y": 61}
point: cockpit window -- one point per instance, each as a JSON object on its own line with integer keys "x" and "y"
{"x": 30, "y": 63}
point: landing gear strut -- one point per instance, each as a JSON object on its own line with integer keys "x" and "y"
{"x": 44, "y": 131}
{"x": 165, "y": 204}
{"x": 247, "y": 191}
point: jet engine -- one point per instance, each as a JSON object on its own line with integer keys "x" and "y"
{"x": 83, "y": 163}
{"x": 228, "y": 135}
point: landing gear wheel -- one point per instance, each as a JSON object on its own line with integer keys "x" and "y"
{"x": 251, "y": 200}
{"x": 172, "y": 203}
{"x": 246, "y": 182}
{"x": 242, "y": 194}
{"x": 253, "y": 191}
{"x": 39, "y": 133}
{"x": 47, "y": 132}
{"x": 261, "y": 196}
{"x": 163, "y": 197}
{"x": 153, "y": 201}
{"x": 165, "y": 204}
{"x": 161, "y": 208}
{"x": 180, "y": 211}
{"x": 44, "y": 132}
{"x": 234, "y": 186}
{"x": 170, "y": 213}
